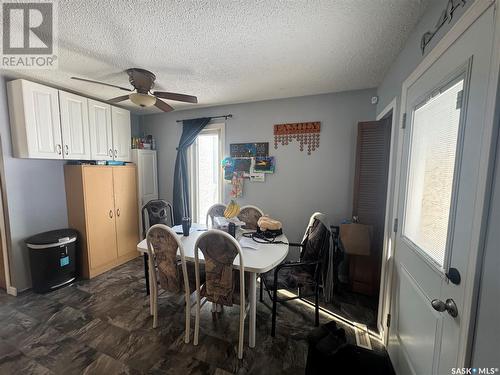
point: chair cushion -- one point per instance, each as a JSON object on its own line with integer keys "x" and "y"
{"x": 250, "y": 216}
{"x": 289, "y": 278}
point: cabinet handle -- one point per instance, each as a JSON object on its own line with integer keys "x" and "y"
{"x": 110, "y": 214}
{"x": 116, "y": 153}
{"x": 59, "y": 150}
{"x": 66, "y": 148}
{"x": 118, "y": 212}
{"x": 110, "y": 153}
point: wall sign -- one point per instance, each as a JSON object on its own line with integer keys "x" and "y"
{"x": 306, "y": 133}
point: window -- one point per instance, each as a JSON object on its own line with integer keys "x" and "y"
{"x": 205, "y": 157}
{"x": 431, "y": 173}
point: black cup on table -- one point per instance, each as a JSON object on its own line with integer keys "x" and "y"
{"x": 186, "y": 225}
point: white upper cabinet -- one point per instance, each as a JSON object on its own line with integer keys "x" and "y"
{"x": 34, "y": 118}
{"x": 101, "y": 135}
{"x": 120, "y": 120}
{"x": 47, "y": 123}
{"x": 74, "y": 126}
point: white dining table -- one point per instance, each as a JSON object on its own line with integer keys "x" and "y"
{"x": 262, "y": 259}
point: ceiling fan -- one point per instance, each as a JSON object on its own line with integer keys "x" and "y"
{"x": 143, "y": 82}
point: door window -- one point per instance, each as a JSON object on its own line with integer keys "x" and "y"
{"x": 431, "y": 173}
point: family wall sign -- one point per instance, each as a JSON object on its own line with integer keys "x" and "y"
{"x": 305, "y": 133}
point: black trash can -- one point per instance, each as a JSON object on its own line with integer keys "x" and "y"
{"x": 52, "y": 259}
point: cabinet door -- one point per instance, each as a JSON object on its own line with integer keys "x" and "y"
{"x": 100, "y": 215}
{"x": 120, "y": 120}
{"x": 147, "y": 174}
{"x": 35, "y": 117}
{"x": 74, "y": 126}
{"x": 101, "y": 135}
{"x": 127, "y": 218}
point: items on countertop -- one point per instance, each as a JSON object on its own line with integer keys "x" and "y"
{"x": 97, "y": 162}
{"x": 266, "y": 223}
{"x": 186, "y": 225}
{"x": 144, "y": 143}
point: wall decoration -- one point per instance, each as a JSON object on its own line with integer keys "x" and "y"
{"x": 264, "y": 165}
{"x": 242, "y": 164}
{"x": 245, "y": 150}
{"x": 227, "y": 165}
{"x": 446, "y": 15}
{"x": 237, "y": 185}
{"x": 257, "y": 177}
{"x": 306, "y": 133}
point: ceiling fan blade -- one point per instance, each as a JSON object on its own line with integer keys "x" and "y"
{"x": 176, "y": 97}
{"x": 118, "y": 99}
{"x": 101, "y": 83}
{"x": 163, "y": 106}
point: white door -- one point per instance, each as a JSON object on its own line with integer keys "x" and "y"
{"x": 74, "y": 126}
{"x": 122, "y": 132}
{"x": 437, "y": 201}
{"x": 101, "y": 135}
{"x": 148, "y": 179}
{"x": 43, "y": 128}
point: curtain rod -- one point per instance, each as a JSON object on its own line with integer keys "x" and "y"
{"x": 211, "y": 118}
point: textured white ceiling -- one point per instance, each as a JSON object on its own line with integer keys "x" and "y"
{"x": 228, "y": 51}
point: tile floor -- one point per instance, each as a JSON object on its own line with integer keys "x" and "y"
{"x": 103, "y": 326}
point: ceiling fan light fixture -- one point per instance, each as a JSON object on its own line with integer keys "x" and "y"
{"x": 143, "y": 100}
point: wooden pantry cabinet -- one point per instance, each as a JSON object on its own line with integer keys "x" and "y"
{"x": 102, "y": 206}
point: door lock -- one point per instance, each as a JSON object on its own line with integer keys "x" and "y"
{"x": 450, "y": 306}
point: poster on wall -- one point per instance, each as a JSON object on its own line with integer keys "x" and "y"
{"x": 242, "y": 165}
{"x": 264, "y": 164}
{"x": 248, "y": 150}
{"x": 236, "y": 185}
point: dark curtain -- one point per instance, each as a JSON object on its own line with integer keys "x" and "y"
{"x": 190, "y": 130}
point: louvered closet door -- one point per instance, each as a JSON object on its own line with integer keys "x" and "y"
{"x": 370, "y": 191}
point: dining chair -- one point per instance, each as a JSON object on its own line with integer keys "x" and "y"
{"x": 215, "y": 210}
{"x": 219, "y": 251}
{"x": 175, "y": 277}
{"x": 250, "y": 215}
{"x": 156, "y": 211}
{"x": 307, "y": 273}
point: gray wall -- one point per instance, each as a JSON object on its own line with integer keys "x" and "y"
{"x": 36, "y": 198}
{"x": 411, "y": 55}
{"x": 135, "y": 125}
{"x": 302, "y": 184}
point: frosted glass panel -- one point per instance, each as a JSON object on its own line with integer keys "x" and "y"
{"x": 431, "y": 169}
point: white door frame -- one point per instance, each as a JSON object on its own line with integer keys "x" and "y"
{"x": 487, "y": 152}
{"x": 384, "y": 297}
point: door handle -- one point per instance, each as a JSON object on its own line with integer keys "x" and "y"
{"x": 66, "y": 148}
{"x": 450, "y": 306}
{"x": 59, "y": 150}
{"x": 118, "y": 212}
{"x": 110, "y": 153}
{"x": 110, "y": 214}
